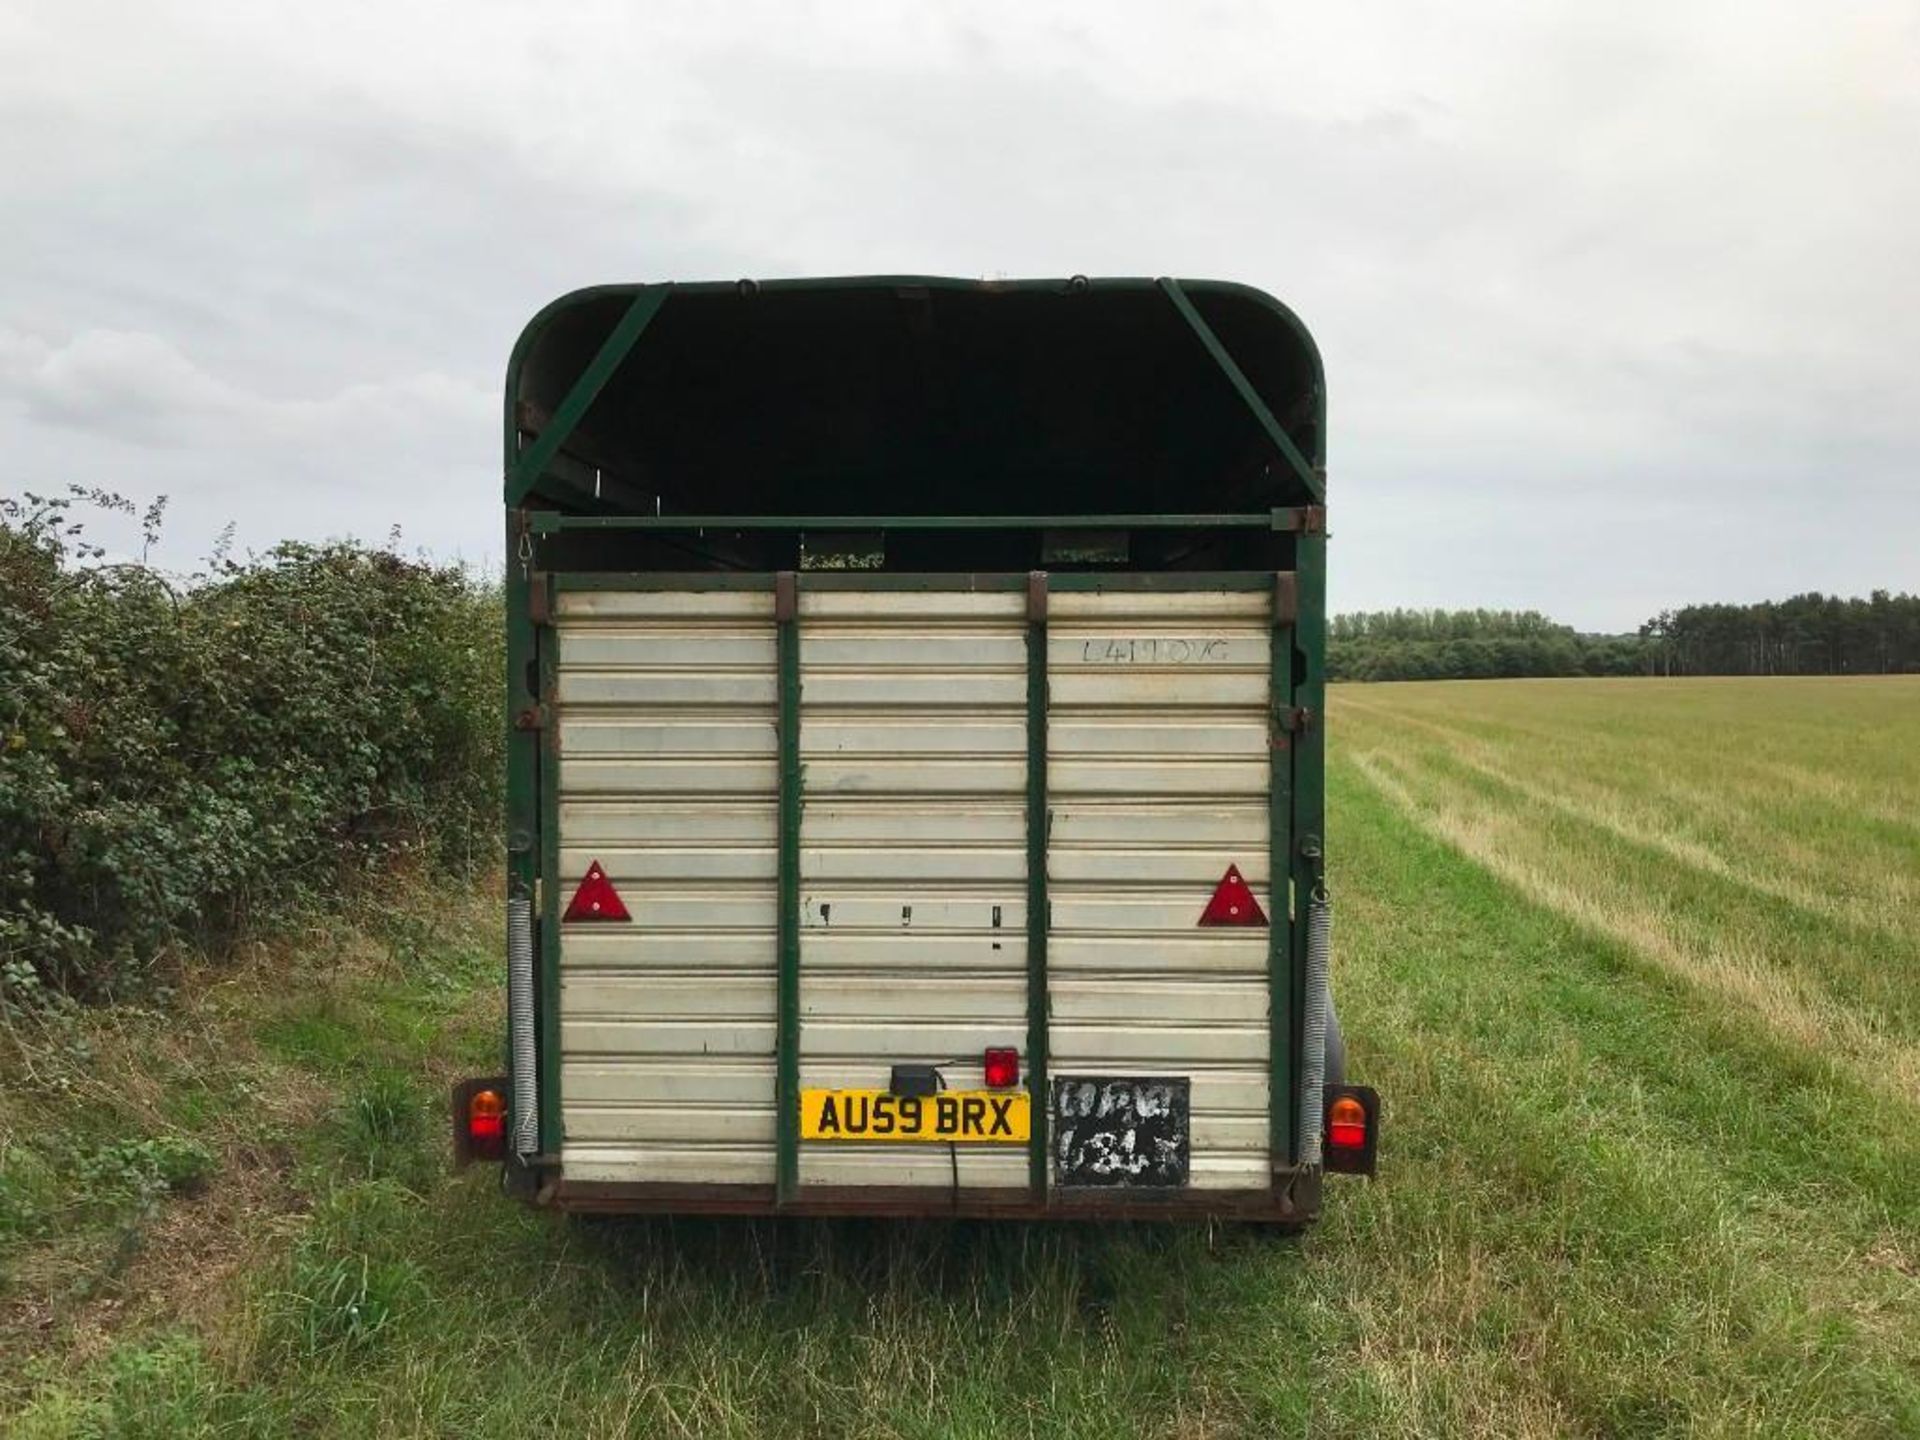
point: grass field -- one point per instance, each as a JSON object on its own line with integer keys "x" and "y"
{"x": 1636, "y": 966}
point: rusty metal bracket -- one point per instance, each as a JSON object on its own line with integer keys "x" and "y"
{"x": 1036, "y": 596}
{"x": 1300, "y": 519}
{"x": 1292, "y": 719}
{"x": 533, "y": 717}
{"x": 1286, "y": 598}
{"x": 540, "y": 598}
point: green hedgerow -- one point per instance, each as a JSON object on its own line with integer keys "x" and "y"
{"x": 176, "y": 753}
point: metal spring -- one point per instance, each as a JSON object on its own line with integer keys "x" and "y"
{"x": 1313, "y": 1028}
{"x": 526, "y": 1096}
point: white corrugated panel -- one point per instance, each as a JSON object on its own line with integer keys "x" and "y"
{"x": 1158, "y": 771}
{"x": 666, "y": 708}
{"x": 913, "y": 865}
{"x": 913, "y": 741}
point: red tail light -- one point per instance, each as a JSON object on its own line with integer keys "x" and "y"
{"x": 480, "y": 1119}
{"x": 1351, "y": 1130}
{"x": 1002, "y": 1069}
{"x": 1347, "y": 1124}
{"x": 486, "y": 1124}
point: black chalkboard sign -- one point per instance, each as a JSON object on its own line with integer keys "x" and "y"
{"x": 1121, "y": 1131}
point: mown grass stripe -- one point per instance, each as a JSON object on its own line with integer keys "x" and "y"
{"x": 1792, "y": 1005}
{"x": 1859, "y": 965}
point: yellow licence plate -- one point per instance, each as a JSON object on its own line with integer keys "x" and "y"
{"x": 983, "y": 1116}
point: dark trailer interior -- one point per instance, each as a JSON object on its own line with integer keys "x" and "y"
{"x": 1119, "y": 407}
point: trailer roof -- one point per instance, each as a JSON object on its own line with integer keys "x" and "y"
{"x": 911, "y": 395}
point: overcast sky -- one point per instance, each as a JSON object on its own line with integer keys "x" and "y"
{"x": 1619, "y": 304}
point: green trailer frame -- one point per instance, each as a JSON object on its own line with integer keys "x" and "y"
{"x": 552, "y": 491}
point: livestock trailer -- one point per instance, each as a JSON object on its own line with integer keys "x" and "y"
{"x": 915, "y": 753}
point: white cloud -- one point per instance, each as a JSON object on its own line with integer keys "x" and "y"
{"x": 128, "y": 411}
{"x": 138, "y": 388}
{"x": 1615, "y": 303}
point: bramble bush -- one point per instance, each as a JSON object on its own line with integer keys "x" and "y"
{"x": 179, "y": 759}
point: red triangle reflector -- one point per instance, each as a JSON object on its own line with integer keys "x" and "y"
{"x": 596, "y": 899}
{"x": 1233, "y": 903}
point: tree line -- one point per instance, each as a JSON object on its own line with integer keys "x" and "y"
{"x": 1811, "y": 634}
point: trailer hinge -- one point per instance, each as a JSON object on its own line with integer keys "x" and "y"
{"x": 1313, "y": 519}
{"x": 1286, "y": 598}
{"x": 533, "y": 717}
{"x": 1292, "y": 719}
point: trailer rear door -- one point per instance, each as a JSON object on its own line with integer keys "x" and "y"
{"x": 860, "y": 822}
